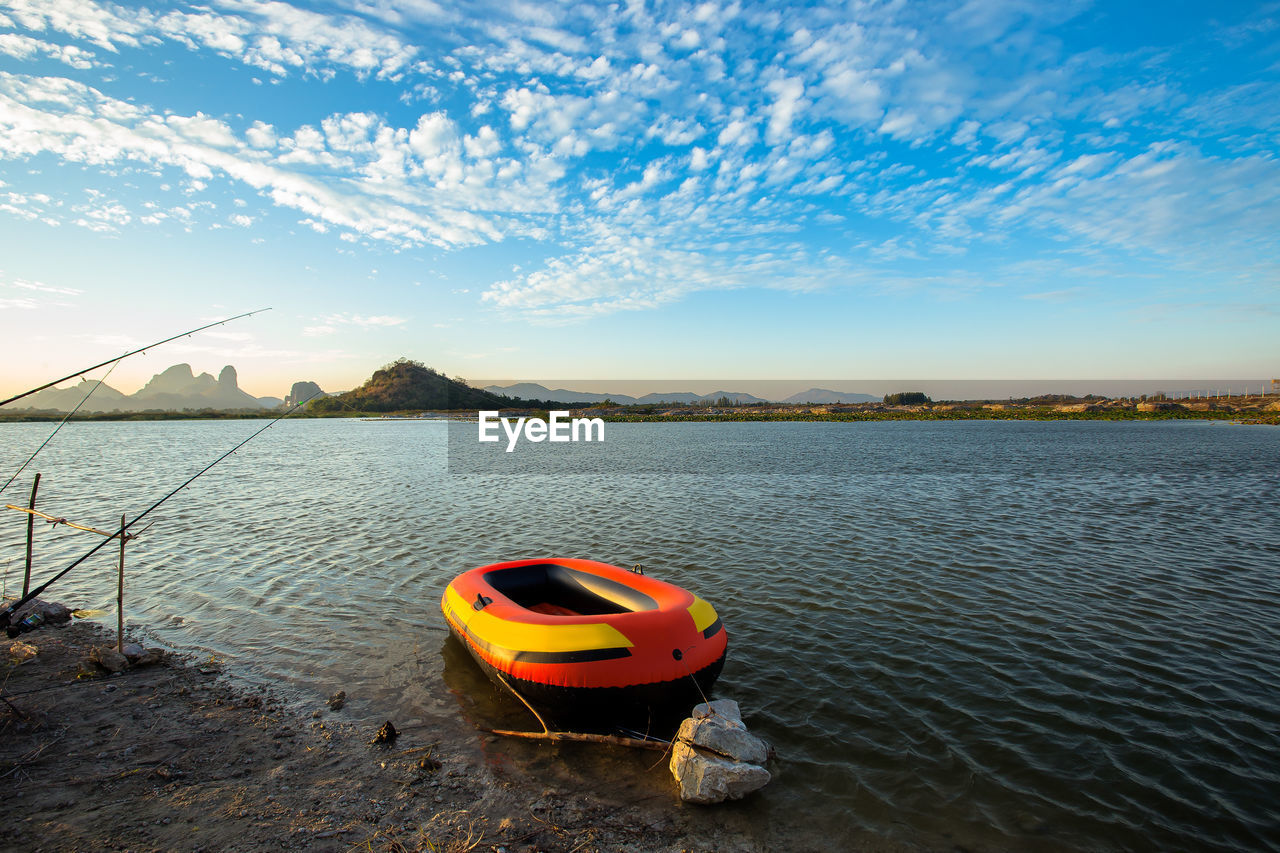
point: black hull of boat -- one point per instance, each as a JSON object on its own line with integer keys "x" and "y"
{"x": 656, "y": 708}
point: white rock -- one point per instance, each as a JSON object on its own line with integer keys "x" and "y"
{"x": 706, "y": 778}
{"x": 724, "y": 708}
{"x": 724, "y": 737}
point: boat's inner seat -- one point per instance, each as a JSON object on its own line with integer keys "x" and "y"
{"x": 560, "y": 591}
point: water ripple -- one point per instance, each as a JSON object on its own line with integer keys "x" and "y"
{"x": 1004, "y": 635}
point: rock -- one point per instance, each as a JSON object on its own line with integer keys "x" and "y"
{"x": 20, "y": 652}
{"x": 337, "y": 700}
{"x": 149, "y": 657}
{"x": 725, "y": 737}
{"x": 301, "y": 391}
{"x": 386, "y": 734}
{"x": 715, "y": 758}
{"x": 707, "y": 778}
{"x": 132, "y": 651}
{"x": 109, "y": 659}
{"x": 725, "y": 708}
{"x": 56, "y": 613}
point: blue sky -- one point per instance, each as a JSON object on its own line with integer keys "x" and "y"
{"x": 984, "y": 189}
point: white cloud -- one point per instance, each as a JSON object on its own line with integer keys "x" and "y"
{"x": 41, "y": 287}
{"x": 34, "y": 295}
{"x": 788, "y": 93}
{"x": 739, "y": 131}
{"x": 80, "y": 124}
{"x": 261, "y": 135}
{"x": 615, "y": 134}
{"x": 25, "y": 47}
{"x": 966, "y": 134}
{"x": 109, "y": 27}
{"x": 333, "y": 323}
{"x": 275, "y": 36}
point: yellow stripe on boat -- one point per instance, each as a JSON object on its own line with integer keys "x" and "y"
{"x": 704, "y": 615}
{"x": 527, "y": 637}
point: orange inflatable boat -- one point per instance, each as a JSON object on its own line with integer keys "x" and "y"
{"x": 586, "y": 642}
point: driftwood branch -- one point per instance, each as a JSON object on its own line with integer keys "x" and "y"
{"x": 569, "y": 737}
{"x": 582, "y": 737}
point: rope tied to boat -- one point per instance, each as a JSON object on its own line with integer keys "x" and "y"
{"x": 678, "y": 654}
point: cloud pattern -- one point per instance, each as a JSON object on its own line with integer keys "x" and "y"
{"x": 653, "y": 150}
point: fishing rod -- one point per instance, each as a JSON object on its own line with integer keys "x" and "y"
{"x": 126, "y": 355}
{"x": 6, "y": 616}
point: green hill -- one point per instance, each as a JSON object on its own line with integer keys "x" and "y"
{"x": 406, "y": 385}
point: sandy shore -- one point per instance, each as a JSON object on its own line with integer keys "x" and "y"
{"x": 179, "y": 756}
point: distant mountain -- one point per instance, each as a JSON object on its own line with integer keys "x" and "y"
{"x": 687, "y": 399}
{"x": 824, "y": 396}
{"x": 733, "y": 397}
{"x": 173, "y": 389}
{"x": 406, "y": 385}
{"x": 534, "y": 391}
{"x": 105, "y": 399}
{"x": 301, "y": 392}
{"x": 179, "y": 388}
{"x": 178, "y": 379}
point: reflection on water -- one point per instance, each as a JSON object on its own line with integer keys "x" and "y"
{"x": 1007, "y": 634}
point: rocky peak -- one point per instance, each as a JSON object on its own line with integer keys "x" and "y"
{"x": 301, "y": 391}
{"x": 172, "y": 380}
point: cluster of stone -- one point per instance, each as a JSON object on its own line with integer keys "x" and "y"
{"x": 133, "y": 655}
{"x": 715, "y": 758}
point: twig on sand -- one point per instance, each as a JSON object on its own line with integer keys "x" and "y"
{"x": 29, "y": 757}
{"x": 583, "y": 737}
{"x": 570, "y": 737}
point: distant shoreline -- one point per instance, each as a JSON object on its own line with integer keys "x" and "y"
{"x": 1254, "y": 409}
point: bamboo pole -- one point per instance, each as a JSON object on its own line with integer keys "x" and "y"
{"x": 31, "y": 532}
{"x": 56, "y": 520}
{"x": 120, "y": 593}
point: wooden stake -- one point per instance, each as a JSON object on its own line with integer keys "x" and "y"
{"x": 31, "y": 529}
{"x": 120, "y": 594}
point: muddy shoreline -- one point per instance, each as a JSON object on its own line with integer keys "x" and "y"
{"x": 180, "y": 755}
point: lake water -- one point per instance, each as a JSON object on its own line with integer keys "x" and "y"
{"x": 998, "y": 634}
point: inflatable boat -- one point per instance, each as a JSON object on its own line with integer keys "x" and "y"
{"x": 587, "y": 643}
